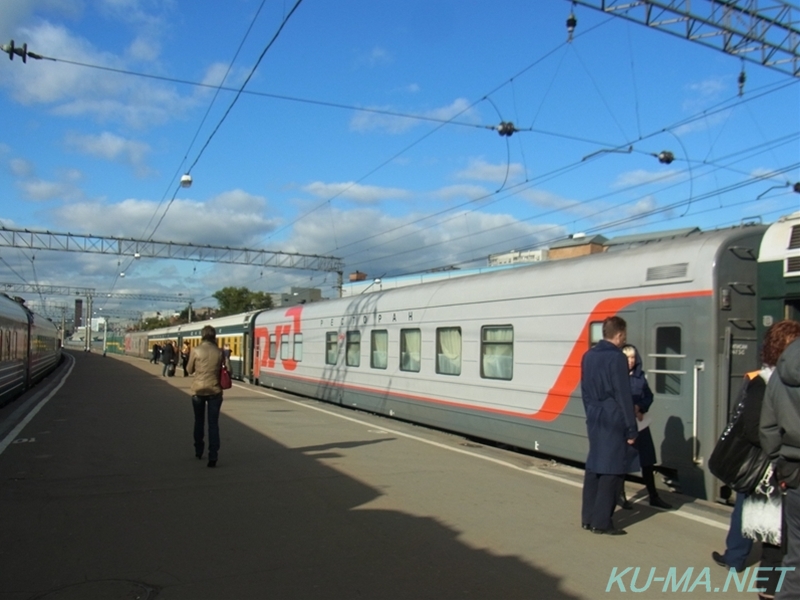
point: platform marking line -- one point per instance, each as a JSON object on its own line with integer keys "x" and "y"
{"x": 20, "y": 426}
{"x": 503, "y": 463}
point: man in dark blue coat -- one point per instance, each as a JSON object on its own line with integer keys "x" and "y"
{"x": 611, "y": 426}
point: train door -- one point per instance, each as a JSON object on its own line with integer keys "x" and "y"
{"x": 247, "y": 363}
{"x": 676, "y": 374}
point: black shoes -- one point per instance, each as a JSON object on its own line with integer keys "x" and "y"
{"x": 586, "y": 526}
{"x": 212, "y": 463}
{"x": 720, "y": 560}
{"x": 611, "y": 531}
{"x": 199, "y": 455}
{"x": 659, "y": 503}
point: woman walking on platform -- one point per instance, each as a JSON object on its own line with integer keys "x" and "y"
{"x": 205, "y": 363}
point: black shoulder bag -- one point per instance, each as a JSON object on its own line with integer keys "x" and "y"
{"x": 735, "y": 461}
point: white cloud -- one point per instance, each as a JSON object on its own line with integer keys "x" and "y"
{"x": 40, "y": 190}
{"x": 378, "y": 56}
{"x": 454, "y": 192}
{"x": 76, "y": 91}
{"x": 642, "y": 206}
{"x": 112, "y": 147}
{"x": 20, "y": 167}
{"x": 233, "y": 219}
{"x": 369, "y": 121}
{"x": 144, "y": 49}
{"x": 412, "y": 244}
{"x": 643, "y": 177}
{"x": 362, "y": 194}
{"x": 480, "y": 170}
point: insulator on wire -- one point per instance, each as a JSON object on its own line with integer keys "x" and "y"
{"x": 742, "y": 79}
{"x": 572, "y": 22}
{"x": 506, "y": 128}
{"x": 665, "y": 157}
{"x": 11, "y": 50}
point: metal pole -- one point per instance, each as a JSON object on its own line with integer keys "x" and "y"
{"x": 190, "y": 312}
{"x": 105, "y": 335}
{"x": 88, "y": 330}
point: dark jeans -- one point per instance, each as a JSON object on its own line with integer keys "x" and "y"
{"x": 600, "y": 493}
{"x": 214, "y": 405}
{"x": 737, "y": 547}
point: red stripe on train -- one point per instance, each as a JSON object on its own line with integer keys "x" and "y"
{"x": 566, "y": 383}
{"x": 570, "y": 376}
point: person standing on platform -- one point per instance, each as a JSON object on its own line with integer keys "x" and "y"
{"x": 779, "y": 434}
{"x": 611, "y": 426}
{"x": 185, "y": 351}
{"x": 167, "y": 357}
{"x": 642, "y": 401}
{"x": 205, "y": 363}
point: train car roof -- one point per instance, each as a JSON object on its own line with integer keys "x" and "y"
{"x": 781, "y": 240}
{"x": 12, "y": 309}
{"x": 686, "y": 262}
{"x": 242, "y": 319}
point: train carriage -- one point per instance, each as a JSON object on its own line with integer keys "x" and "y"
{"x": 13, "y": 348}
{"x": 45, "y": 347}
{"x": 497, "y": 355}
{"x": 136, "y": 344}
{"x": 235, "y": 331}
{"x": 779, "y": 272}
{"x": 30, "y": 347}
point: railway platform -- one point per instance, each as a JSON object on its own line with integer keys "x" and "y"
{"x": 102, "y": 497}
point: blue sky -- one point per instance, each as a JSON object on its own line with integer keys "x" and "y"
{"x": 365, "y": 133}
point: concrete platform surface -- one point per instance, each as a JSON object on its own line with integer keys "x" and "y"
{"x": 102, "y": 497}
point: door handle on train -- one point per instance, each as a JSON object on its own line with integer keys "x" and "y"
{"x": 699, "y": 365}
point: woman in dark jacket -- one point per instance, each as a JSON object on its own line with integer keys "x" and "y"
{"x": 168, "y": 357}
{"x": 751, "y": 400}
{"x": 642, "y": 401}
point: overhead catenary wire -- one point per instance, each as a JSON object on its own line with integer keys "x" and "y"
{"x": 688, "y": 159}
{"x": 227, "y": 111}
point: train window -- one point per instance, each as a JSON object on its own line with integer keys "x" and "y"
{"x": 410, "y": 349}
{"x": 353, "y": 349}
{"x": 331, "y": 347}
{"x": 669, "y": 361}
{"x": 379, "y": 343}
{"x": 497, "y": 352}
{"x": 298, "y": 347}
{"x": 448, "y": 350}
{"x": 595, "y": 333}
{"x": 285, "y": 350}
{"x": 273, "y": 346}
{"x": 2, "y": 354}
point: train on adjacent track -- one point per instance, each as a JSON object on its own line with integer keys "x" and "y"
{"x": 30, "y": 348}
{"x": 496, "y": 355}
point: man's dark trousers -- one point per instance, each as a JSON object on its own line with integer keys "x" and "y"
{"x": 600, "y": 493}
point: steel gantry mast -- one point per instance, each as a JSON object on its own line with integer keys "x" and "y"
{"x": 68, "y": 242}
{"x": 766, "y": 32}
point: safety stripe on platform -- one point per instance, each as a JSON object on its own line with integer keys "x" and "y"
{"x": 12, "y": 435}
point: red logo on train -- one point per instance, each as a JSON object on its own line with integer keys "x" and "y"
{"x": 288, "y": 329}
